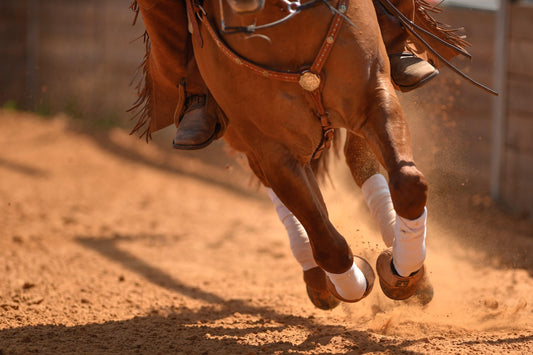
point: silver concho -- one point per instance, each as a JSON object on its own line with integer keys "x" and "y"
{"x": 309, "y": 81}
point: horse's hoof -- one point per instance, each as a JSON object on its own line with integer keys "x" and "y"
{"x": 365, "y": 267}
{"x": 393, "y": 285}
{"x": 315, "y": 281}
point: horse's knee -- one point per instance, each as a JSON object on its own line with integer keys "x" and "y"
{"x": 409, "y": 190}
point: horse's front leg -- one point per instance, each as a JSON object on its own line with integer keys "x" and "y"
{"x": 349, "y": 278}
{"x": 314, "y": 276}
{"x": 401, "y": 269}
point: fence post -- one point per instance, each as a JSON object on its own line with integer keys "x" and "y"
{"x": 500, "y": 103}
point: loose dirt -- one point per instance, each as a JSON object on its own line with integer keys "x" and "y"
{"x": 110, "y": 245}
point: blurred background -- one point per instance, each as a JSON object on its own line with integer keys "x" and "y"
{"x": 79, "y": 58}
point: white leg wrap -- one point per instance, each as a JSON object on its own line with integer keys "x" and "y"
{"x": 350, "y": 285}
{"x": 409, "y": 247}
{"x": 377, "y": 196}
{"x": 298, "y": 239}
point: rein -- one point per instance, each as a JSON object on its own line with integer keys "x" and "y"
{"x": 294, "y": 7}
{"x": 310, "y": 79}
{"x": 412, "y": 28}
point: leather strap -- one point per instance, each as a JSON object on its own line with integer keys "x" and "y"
{"x": 314, "y": 72}
{"x": 413, "y": 29}
{"x": 194, "y": 22}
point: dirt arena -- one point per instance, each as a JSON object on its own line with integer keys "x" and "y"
{"x": 110, "y": 245}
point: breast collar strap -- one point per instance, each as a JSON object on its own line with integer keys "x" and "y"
{"x": 310, "y": 79}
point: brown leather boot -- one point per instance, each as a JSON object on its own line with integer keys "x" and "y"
{"x": 408, "y": 71}
{"x": 197, "y": 128}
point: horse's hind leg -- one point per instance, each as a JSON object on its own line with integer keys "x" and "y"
{"x": 365, "y": 171}
{"x": 386, "y": 131}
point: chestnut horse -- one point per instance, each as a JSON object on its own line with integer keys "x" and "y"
{"x": 282, "y": 94}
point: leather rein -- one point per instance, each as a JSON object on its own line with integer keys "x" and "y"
{"x": 294, "y": 7}
{"x": 310, "y": 79}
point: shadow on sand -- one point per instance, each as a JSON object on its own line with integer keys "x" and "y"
{"x": 183, "y": 330}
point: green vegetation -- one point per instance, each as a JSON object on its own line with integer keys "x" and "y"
{"x": 10, "y": 105}
{"x": 73, "y": 110}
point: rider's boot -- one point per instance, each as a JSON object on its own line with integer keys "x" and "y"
{"x": 168, "y": 66}
{"x": 408, "y": 71}
{"x": 197, "y": 125}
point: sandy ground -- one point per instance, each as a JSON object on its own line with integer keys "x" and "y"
{"x": 109, "y": 245}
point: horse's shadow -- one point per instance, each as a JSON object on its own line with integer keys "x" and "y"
{"x": 175, "y": 162}
{"x": 173, "y": 334}
{"x": 181, "y": 329}
{"x": 194, "y": 331}
{"x": 22, "y": 168}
